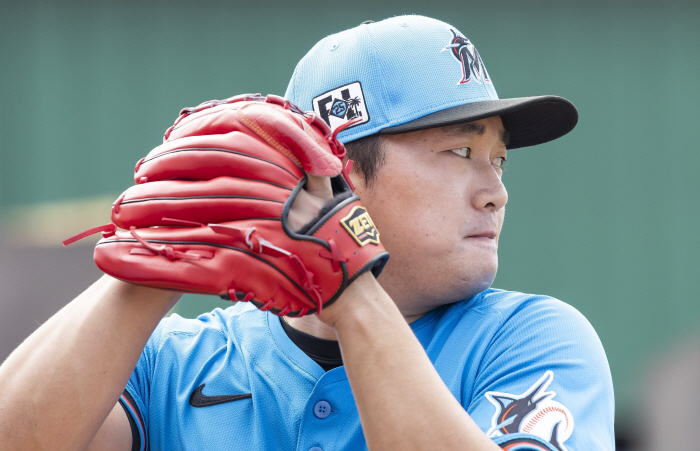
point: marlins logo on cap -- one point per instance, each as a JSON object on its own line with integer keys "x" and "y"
{"x": 465, "y": 52}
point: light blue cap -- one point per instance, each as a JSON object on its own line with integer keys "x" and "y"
{"x": 410, "y": 73}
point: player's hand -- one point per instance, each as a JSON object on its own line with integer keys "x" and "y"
{"x": 246, "y": 199}
{"x": 309, "y": 202}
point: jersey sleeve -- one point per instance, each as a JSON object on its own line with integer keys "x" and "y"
{"x": 136, "y": 423}
{"x": 167, "y": 348}
{"x": 135, "y": 398}
{"x": 544, "y": 382}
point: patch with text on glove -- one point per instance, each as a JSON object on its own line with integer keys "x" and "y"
{"x": 208, "y": 213}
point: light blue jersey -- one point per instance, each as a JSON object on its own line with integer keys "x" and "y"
{"x": 530, "y": 370}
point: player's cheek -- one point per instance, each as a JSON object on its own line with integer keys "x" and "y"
{"x": 501, "y": 221}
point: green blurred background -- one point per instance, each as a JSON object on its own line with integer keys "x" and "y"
{"x": 605, "y": 219}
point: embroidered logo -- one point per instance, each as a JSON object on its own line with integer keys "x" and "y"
{"x": 342, "y": 104}
{"x": 199, "y": 399}
{"x": 533, "y": 412}
{"x": 465, "y": 52}
{"x": 360, "y": 226}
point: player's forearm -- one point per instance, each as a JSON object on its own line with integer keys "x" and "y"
{"x": 62, "y": 382}
{"x": 402, "y": 401}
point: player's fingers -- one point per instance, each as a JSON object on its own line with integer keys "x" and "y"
{"x": 320, "y": 187}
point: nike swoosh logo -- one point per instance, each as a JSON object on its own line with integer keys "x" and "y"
{"x": 198, "y": 399}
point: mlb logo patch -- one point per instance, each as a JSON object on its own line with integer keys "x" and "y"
{"x": 341, "y": 105}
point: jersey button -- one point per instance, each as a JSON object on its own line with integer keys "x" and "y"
{"x": 322, "y": 409}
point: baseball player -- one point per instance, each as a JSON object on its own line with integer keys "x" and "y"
{"x": 332, "y": 347}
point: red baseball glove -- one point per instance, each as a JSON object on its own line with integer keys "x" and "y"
{"x": 209, "y": 211}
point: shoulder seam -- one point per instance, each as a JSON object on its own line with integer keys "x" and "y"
{"x": 486, "y": 350}
{"x": 165, "y": 336}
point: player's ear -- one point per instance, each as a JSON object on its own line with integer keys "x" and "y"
{"x": 357, "y": 180}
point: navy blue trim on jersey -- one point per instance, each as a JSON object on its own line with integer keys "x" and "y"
{"x": 138, "y": 433}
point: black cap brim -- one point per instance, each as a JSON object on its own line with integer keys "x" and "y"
{"x": 529, "y": 120}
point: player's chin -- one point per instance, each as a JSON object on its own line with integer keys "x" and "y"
{"x": 481, "y": 279}
{"x": 479, "y": 271}
{"x": 480, "y": 251}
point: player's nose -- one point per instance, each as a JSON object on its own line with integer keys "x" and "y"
{"x": 490, "y": 194}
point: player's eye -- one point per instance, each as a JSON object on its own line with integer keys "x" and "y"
{"x": 462, "y": 151}
{"x": 499, "y": 162}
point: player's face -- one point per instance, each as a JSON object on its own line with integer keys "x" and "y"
{"x": 439, "y": 203}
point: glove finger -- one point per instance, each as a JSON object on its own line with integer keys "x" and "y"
{"x": 283, "y": 130}
{"x": 212, "y": 201}
{"x": 234, "y": 154}
{"x": 223, "y": 267}
{"x": 219, "y": 120}
{"x": 293, "y": 137}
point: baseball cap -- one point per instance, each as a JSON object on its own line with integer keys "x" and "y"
{"x": 410, "y": 73}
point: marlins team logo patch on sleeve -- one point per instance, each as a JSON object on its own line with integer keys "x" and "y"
{"x": 360, "y": 226}
{"x": 533, "y": 412}
{"x": 341, "y": 105}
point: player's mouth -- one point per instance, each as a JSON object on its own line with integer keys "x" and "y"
{"x": 487, "y": 237}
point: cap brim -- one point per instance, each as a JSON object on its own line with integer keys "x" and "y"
{"x": 529, "y": 120}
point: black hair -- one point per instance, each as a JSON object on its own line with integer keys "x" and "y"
{"x": 367, "y": 155}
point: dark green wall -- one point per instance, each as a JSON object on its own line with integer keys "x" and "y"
{"x": 605, "y": 218}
